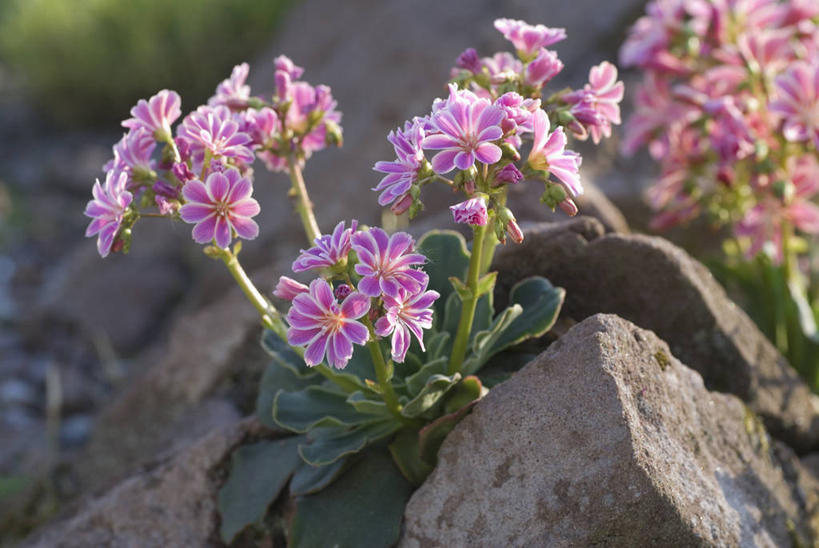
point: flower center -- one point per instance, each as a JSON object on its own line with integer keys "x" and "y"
{"x": 222, "y": 209}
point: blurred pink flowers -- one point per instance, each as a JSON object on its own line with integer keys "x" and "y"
{"x": 107, "y": 209}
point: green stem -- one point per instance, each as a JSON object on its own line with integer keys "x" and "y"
{"x": 271, "y": 318}
{"x": 382, "y": 372}
{"x": 490, "y": 243}
{"x": 469, "y": 304}
{"x": 205, "y": 164}
{"x": 303, "y": 205}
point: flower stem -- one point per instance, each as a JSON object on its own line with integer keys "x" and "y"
{"x": 271, "y": 318}
{"x": 469, "y": 304}
{"x": 382, "y": 372}
{"x": 303, "y": 205}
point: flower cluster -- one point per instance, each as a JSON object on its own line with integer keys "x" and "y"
{"x": 202, "y": 174}
{"x": 381, "y": 279}
{"x": 495, "y": 105}
{"x": 730, "y": 108}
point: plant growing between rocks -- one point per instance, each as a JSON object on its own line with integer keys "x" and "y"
{"x": 392, "y": 341}
{"x": 728, "y": 107}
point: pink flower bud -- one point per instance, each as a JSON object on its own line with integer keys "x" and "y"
{"x": 472, "y": 212}
{"x": 569, "y": 207}
{"x": 514, "y": 231}
{"x": 342, "y": 291}
{"x": 402, "y": 204}
{"x": 469, "y": 60}
{"x": 469, "y": 187}
{"x": 182, "y": 172}
{"x": 288, "y": 288}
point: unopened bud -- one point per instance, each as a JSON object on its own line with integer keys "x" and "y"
{"x": 509, "y": 174}
{"x": 402, "y": 204}
{"x": 553, "y": 195}
{"x": 182, "y": 172}
{"x": 510, "y": 152}
{"x": 469, "y": 187}
{"x": 342, "y": 291}
{"x": 415, "y": 191}
{"x": 514, "y": 231}
{"x": 333, "y": 134}
{"x": 288, "y": 288}
{"x": 569, "y": 207}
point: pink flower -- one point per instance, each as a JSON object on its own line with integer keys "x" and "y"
{"x": 288, "y": 288}
{"x": 330, "y": 249}
{"x": 544, "y": 67}
{"x": 469, "y": 60}
{"x": 285, "y": 64}
{"x": 219, "y": 207}
{"x": 597, "y": 105}
{"x": 402, "y": 173}
{"x": 467, "y": 127}
{"x": 214, "y": 129}
{"x": 471, "y": 212}
{"x": 132, "y": 154}
{"x": 549, "y": 154}
{"x": 107, "y": 209}
{"x": 798, "y": 102}
{"x": 233, "y": 92}
{"x": 156, "y": 114}
{"x": 518, "y": 112}
{"x": 323, "y": 327}
{"x": 386, "y": 262}
{"x": 527, "y": 38}
{"x": 502, "y": 66}
{"x": 408, "y": 313}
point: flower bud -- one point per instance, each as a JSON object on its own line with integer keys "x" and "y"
{"x": 469, "y": 187}
{"x": 508, "y": 174}
{"x": 402, "y": 204}
{"x": 333, "y": 135}
{"x": 415, "y": 209}
{"x": 569, "y": 207}
{"x": 288, "y": 288}
{"x": 553, "y": 195}
{"x": 510, "y": 152}
{"x": 283, "y": 84}
{"x": 342, "y": 291}
{"x": 182, "y": 172}
{"x": 514, "y": 231}
{"x": 469, "y": 60}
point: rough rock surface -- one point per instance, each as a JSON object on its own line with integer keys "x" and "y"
{"x": 607, "y": 439}
{"x": 172, "y": 503}
{"x": 658, "y": 286}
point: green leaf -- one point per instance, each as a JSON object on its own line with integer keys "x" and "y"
{"x": 541, "y": 302}
{"x": 487, "y": 283}
{"x": 470, "y": 389}
{"x": 460, "y": 288}
{"x": 405, "y": 451}
{"x": 436, "y": 344}
{"x": 258, "y": 472}
{"x": 482, "y": 319}
{"x": 312, "y": 407}
{"x": 364, "y": 507}
{"x": 331, "y": 444}
{"x": 360, "y": 365}
{"x": 535, "y": 306}
{"x": 434, "y": 389}
{"x": 368, "y": 406}
{"x": 447, "y": 256}
{"x": 308, "y": 479}
{"x": 417, "y": 381}
{"x": 276, "y": 378}
{"x": 281, "y": 352}
{"x": 484, "y": 340}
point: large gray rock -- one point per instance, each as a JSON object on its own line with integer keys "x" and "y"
{"x": 607, "y": 439}
{"x": 172, "y": 503}
{"x": 658, "y": 286}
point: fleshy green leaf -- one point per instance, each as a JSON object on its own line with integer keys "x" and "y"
{"x": 436, "y": 345}
{"x": 276, "y": 378}
{"x": 331, "y": 444}
{"x": 258, "y": 472}
{"x": 434, "y": 389}
{"x": 368, "y": 406}
{"x": 314, "y": 406}
{"x": 535, "y": 305}
{"x": 281, "y": 352}
{"x": 364, "y": 507}
{"x": 541, "y": 302}
{"x": 464, "y": 393}
{"x": 417, "y": 381}
{"x": 309, "y": 479}
{"x": 447, "y": 256}
{"x": 405, "y": 451}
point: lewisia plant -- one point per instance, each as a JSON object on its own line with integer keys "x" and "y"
{"x": 729, "y": 107}
{"x": 380, "y": 343}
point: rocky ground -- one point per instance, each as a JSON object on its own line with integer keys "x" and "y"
{"x": 118, "y": 367}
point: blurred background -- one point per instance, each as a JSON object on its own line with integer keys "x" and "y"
{"x": 77, "y": 332}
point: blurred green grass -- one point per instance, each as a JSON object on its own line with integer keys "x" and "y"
{"x": 86, "y": 62}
